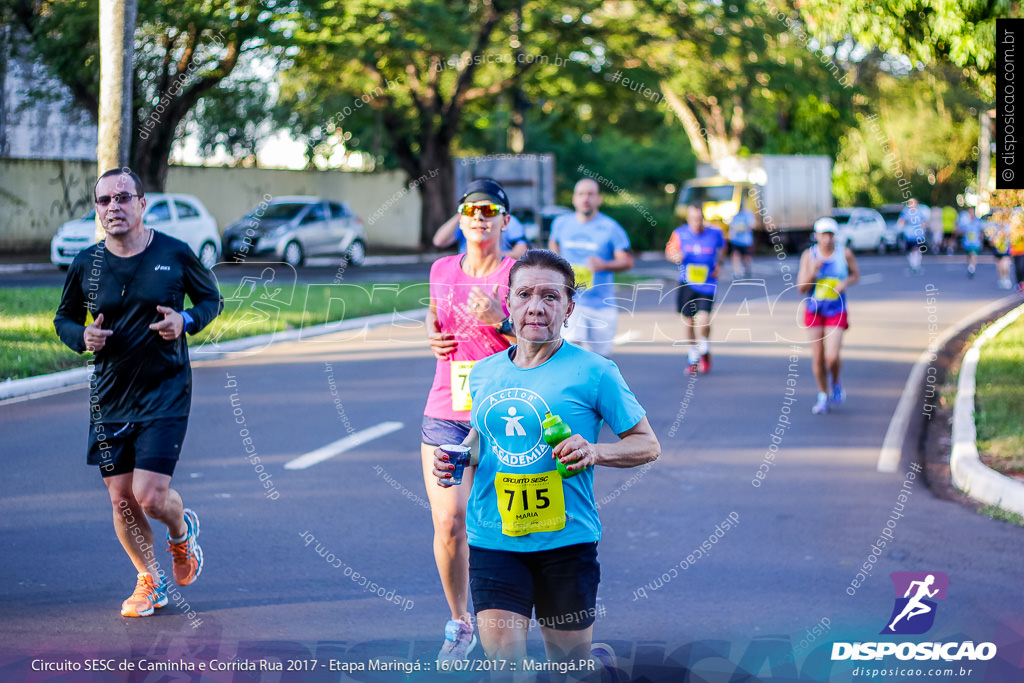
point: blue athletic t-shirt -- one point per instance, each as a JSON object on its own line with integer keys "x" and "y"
{"x": 601, "y": 236}
{"x": 825, "y": 300}
{"x": 972, "y": 229}
{"x": 741, "y": 228}
{"x": 700, "y": 256}
{"x": 509, "y": 404}
{"x": 913, "y": 223}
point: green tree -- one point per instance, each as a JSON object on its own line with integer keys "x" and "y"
{"x": 183, "y": 52}
{"x": 401, "y": 81}
{"x": 920, "y": 136}
{"x": 740, "y": 77}
{"x": 960, "y": 33}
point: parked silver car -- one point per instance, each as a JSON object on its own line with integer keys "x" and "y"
{"x": 290, "y": 229}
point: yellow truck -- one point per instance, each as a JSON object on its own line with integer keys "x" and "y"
{"x": 786, "y": 193}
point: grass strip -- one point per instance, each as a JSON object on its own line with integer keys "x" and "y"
{"x": 30, "y": 345}
{"x": 999, "y": 400}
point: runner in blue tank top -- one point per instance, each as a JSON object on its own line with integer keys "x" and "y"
{"x": 825, "y": 274}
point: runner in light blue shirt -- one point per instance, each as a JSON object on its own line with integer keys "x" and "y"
{"x": 912, "y": 222}
{"x": 741, "y": 242}
{"x": 597, "y": 247}
{"x": 532, "y": 532}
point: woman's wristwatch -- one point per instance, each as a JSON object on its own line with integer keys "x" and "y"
{"x": 505, "y": 327}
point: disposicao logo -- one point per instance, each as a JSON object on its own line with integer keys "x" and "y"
{"x": 916, "y": 593}
{"x": 914, "y": 613}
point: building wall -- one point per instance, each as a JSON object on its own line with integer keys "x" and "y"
{"x": 38, "y": 195}
{"x": 38, "y": 117}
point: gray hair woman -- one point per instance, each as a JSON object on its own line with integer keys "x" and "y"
{"x": 533, "y": 533}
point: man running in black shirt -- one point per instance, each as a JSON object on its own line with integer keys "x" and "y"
{"x": 134, "y": 284}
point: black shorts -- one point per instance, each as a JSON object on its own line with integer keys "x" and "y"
{"x": 123, "y": 447}
{"x": 741, "y": 249}
{"x": 436, "y": 431}
{"x": 689, "y": 301}
{"x": 560, "y": 583}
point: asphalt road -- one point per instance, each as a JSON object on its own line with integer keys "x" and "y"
{"x": 767, "y": 600}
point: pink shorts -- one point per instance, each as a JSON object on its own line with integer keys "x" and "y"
{"x": 816, "y": 320}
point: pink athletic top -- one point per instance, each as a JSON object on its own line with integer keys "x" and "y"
{"x": 450, "y": 287}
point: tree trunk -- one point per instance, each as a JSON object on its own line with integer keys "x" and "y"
{"x": 437, "y": 194}
{"x": 131, "y": 16}
{"x": 151, "y": 157}
{"x": 696, "y": 134}
{"x": 115, "y": 85}
{"x": 117, "y": 47}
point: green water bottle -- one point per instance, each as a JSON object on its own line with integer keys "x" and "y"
{"x": 555, "y": 432}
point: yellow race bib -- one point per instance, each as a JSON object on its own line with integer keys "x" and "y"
{"x": 825, "y": 289}
{"x": 530, "y": 502}
{"x": 696, "y": 273}
{"x": 460, "y": 384}
{"x": 584, "y": 277}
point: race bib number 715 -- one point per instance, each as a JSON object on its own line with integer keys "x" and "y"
{"x": 530, "y": 502}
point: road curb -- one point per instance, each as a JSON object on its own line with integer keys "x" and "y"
{"x": 895, "y": 439}
{"x": 969, "y": 474}
{"x": 43, "y": 385}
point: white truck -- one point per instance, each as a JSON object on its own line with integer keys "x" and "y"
{"x": 787, "y": 193}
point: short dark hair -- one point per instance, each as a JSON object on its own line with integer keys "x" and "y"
{"x": 697, "y": 204}
{"x": 543, "y": 258}
{"x": 122, "y": 171}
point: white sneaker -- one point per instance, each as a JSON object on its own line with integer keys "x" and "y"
{"x": 821, "y": 407}
{"x": 606, "y": 656}
{"x": 459, "y": 641}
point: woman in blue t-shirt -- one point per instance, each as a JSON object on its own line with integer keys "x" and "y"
{"x": 532, "y": 533}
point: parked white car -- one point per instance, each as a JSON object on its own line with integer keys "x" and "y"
{"x": 178, "y": 215}
{"x": 860, "y": 228}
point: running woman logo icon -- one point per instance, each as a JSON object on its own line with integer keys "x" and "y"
{"x": 916, "y": 595}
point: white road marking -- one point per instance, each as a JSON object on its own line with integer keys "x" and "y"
{"x": 341, "y": 445}
{"x": 870, "y": 279}
{"x": 626, "y": 337}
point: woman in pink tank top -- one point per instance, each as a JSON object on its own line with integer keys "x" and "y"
{"x": 467, "y": 321}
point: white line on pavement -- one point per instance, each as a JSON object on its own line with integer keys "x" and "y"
{"x": 626, "y": 337}
{"x": 870, "y": 279}
{"x": 341, "y": 445}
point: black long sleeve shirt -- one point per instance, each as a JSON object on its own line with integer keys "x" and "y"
{"x": 138, "y": 375}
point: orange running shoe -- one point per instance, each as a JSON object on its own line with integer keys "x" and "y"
{"x": 187, "y": 555}
{"x": 148, "y": 595}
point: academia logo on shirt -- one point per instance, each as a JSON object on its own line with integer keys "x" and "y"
{"x": 914, "y": 613}
{"x": 512, "y": 419}
{"x": 916, "y": 593}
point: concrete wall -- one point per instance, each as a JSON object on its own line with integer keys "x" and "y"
{"x": 36, "y": 196}
{"x": 32, "y": 127}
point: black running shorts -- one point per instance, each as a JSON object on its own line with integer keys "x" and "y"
{"x": 151, "y": 445}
